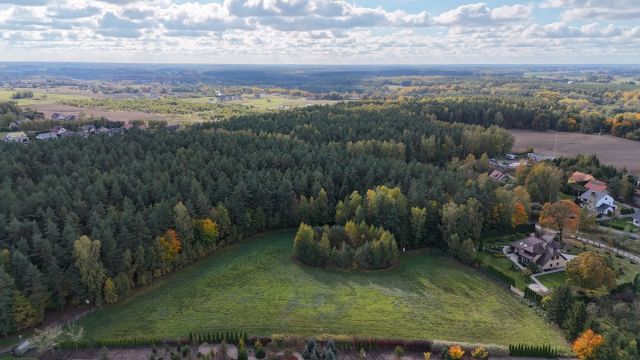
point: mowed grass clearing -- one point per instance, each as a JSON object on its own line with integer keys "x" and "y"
{"x": 256, "y": 287}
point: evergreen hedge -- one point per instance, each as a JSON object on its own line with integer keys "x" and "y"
{"x": 541, "y": 351}
{"x": 498, "y": 274}
{"x": 532, "y": 296}
{"x": 217, "y": 337}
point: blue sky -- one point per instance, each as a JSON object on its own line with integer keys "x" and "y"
{"x": 321, "y": 31}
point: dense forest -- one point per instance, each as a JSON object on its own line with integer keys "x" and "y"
{"x": 140, "y": 205}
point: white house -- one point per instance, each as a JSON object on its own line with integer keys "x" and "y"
{"x": 598, "y": 202}
{"x": 18, "y": 137}
{"x": 636, "y": 218}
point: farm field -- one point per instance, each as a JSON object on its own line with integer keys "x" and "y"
{"x": 256, "y": 286}
{"x": 610, "y": 150}
{"x": 173, "y": 110}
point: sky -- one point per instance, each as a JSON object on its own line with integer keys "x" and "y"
{"x": 322, "y": 31}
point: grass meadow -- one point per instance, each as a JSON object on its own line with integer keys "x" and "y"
{"x": 255, "y": 286}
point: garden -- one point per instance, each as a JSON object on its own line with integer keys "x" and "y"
{"x": 257, "y": 287}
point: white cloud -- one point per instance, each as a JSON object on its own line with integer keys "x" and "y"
{"x": 595, "y": 9}
{"x": 311, "y": 31}
{"x": 482, "y": 15}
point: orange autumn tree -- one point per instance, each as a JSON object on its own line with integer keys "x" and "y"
{"x": 519, "y": 215}
{"x": 562, "y": 216}
{"x": 171, "y": 244}
{"x": 456, "y": 352}
{"x": 587, "y": 344}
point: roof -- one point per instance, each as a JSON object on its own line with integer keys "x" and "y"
{"x": 46, "y": 136}
{"x": 530, "y": 244}
{"x": 580, "y": 177}
{"x": 596, "y": 185}
{"x": 591, "y": 195}
{"x": 537, "y": 250}
{"x": 15, "y": 135}
{"x": 498, "y": 175}
{"x": 58, "y": 129}
{"x": 604, "y": 207}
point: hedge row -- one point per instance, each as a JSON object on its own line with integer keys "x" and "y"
{"x": 544, "y": 351}
{"x": 498, "y": 274}
{"x": 532, "y": 296}
{"x": 120, "y": 342}
{"x": 217, "y": 337}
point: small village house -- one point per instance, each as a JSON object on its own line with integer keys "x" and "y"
{"x": 579, "y": 178}
{"x": 598, "y": 202}
{"x": 58, "y": 130}
{"x": 596, "y": 185}
{"x": 545, "y": 253}
{"x": 16, "y": 137}
{"x": 636, "y": 218}
{"x": 498, "y": 175}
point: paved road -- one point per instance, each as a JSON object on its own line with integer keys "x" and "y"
{"x": 618, "y": 232}
{"x": 599, "y": 244}
{"x": 613, "y": 249}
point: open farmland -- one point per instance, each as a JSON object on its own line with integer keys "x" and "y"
{"x": 610, "y": 150}
{"x": 255, "y": 286}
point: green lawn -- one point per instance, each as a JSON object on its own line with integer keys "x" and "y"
{"x": 553, "y": 280}
{"x": 506, "y": 266}
{"x": 256, "y": 287}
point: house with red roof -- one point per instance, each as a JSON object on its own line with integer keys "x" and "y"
{"x": 596, "y": 185}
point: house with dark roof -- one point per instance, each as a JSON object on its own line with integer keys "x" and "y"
{"x": 545, "y": 253}
{"x": 598, "y": 202}
{"x": 58, "y": 117}
{"x": 58, "y": 130}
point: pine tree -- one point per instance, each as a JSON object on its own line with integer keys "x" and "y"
{"x": 7, "y": 289}
{"x": 576, "y": 320}
{"x": 559, "y": 304}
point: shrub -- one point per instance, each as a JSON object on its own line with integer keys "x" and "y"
{"x": 362, "y": 355}
{"x": 427, "y": 355}
{"x": 242, "y": 351}
{"x": 398, "y": 352}
{"x": 455, "y": 352}
{"x": 260, "y": 353}
{"x": 480, "y": 353}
